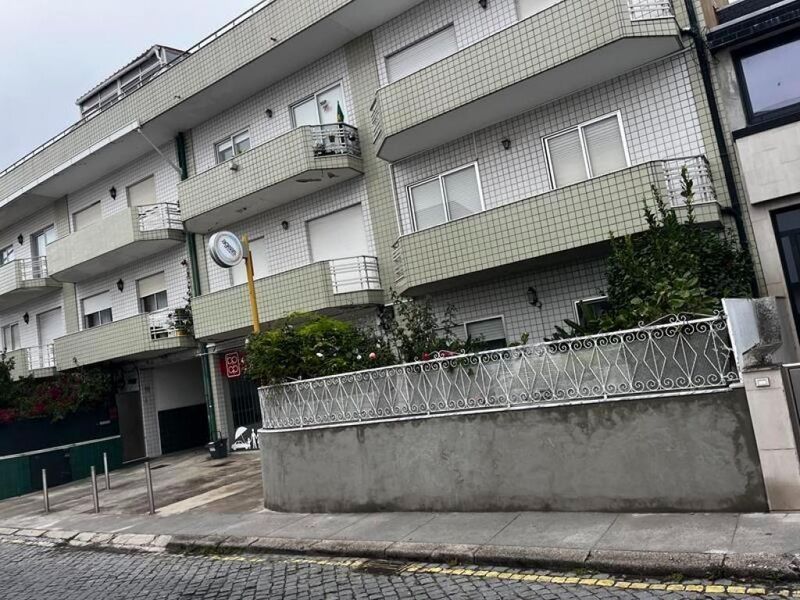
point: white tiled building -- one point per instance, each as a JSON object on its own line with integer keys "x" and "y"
{"x": 475, "y": 152}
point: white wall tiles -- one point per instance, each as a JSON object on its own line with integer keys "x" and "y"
{"x": 659, "y": 119}
{"x": 288, "y": 249}
{"x": 28, "y": 333}
{"x": 251, "y": 114}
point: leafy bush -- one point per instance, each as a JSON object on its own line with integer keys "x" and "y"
{"x": 675, "y": 267}
{"x": 311, "y": 345}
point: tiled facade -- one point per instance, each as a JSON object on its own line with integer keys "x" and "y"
{"x": 527, "y": 236}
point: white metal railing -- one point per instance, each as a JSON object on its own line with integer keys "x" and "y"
{"x": 354, "y": 274}
{"x": 698, "y": 171}
{"x": 33, "y": 268}
{"x": 335, "y": 138}
{"x": 676, "y": 356}
{"x": 41, "y": 357}
{"x": 642, "y": 10}
{"x": 161, "y": 323}
{"x": 165, "y": 215}
{"x": 202, "y": 43}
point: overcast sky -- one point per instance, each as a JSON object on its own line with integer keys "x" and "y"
{"x": 55, "y": 50}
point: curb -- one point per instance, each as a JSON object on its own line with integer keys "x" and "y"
{"x": 691, "y": 564}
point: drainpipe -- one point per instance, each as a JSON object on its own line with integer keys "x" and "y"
{"x": 719, "y": 134}
{"x": 191, "y": 248}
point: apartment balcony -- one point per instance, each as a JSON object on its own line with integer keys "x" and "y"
{"x": 138, "y": 337}
{"x": 327, "y": 287}
{"x": 111, "y": 243}
{"x": 298, "y": 163}
{"x": 36, "y": 362}
{"x": 568, "y": 47}
{"x": 24, "y": 279}
{"x": 557, "y": 226}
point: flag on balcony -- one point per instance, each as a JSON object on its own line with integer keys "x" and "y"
{"x": 339, "y": 113}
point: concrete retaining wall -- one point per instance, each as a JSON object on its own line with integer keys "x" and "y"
{"x": 679, "y": 453}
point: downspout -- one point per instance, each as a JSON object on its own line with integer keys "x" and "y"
{"x": 719, "y": 134}
{"x": 191, "y": 248}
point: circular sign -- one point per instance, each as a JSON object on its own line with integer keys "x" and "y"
{"x": 225, "y": 249}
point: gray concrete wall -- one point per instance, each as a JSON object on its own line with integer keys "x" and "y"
{"x": 681, "y": 453}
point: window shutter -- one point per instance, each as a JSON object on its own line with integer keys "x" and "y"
{"x": 604, "y": 146}
{"x": 527, "y": 8}
{"x": 337, "y": 235}
{"x": 143, "y": 192}
{"x": 87, "y": 216}
{"x": 428, "y": 206}
{"x": 566, "y": 158}
{"x": 463, "y": 194}
{"x": 96, "y": 303}
{"x": 489, "y": 330}
{"x": 152, "y": 285}
{"x": 421, "y": 54}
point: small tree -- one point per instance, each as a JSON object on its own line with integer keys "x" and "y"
{"x": 675, "y": 267}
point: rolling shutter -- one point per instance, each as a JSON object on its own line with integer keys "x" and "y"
{"x": 421, "y": 54}
{"x": 489, "y": 330}
{"x": 143, "y": 192}
{"x": 604, "y": 146}
{"x": 96, "y": 303}
{"x": 152, "y": 285}
{"x": 87, "y": 216}
{"x": 338, "y": 235}
{"x": 528, "y": 8}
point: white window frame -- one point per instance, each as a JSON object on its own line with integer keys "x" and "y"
{"x": 441, "y": 177}
{"x": 588, "y": 300}
{"x": 4, "y": 251}
{"x": 491, "y": 318}
{"x": 227, "y": 139}
{"x": 579, "y": 128}
{"x": 315, "y": 96}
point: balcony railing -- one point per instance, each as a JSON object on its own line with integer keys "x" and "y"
{"x": 335, "y": 138}
{"x": 33, "y": 268}
{"x": 698, "y": 170}
{"x": 675, "y": 356}
{"x": 642, "y": 10}
{"x": 165, "y": 215}
{"x": 41, "y": 357}
{"x": 165, "y": 323}
{"x": 355, "y": 274}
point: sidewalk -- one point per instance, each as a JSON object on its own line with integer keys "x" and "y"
{"x": 216, "y": 506}
{"x": 700, "y": 545}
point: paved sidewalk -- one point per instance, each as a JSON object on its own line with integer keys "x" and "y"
{"x": 729, "y": 545}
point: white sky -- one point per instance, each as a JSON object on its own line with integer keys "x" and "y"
{"x": 55, "y": 50}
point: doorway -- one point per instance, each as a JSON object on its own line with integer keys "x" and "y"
{"x": 51, "y": 326}
{"x": 787, "y": 233}
{"x": 39, "y": 243}
{"x": 131, "y": 426}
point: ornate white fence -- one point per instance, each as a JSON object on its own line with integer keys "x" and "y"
{"x": 678, "y": 356}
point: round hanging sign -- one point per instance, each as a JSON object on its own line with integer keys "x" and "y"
{"x": 225, "y": 249}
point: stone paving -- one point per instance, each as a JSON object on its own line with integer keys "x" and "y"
{"x": 42, "y": 570}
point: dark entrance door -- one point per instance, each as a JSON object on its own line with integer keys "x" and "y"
{"x": 246, "y": 410}
{"x": 131, "y": 425}
{"x": 787, "y": 231}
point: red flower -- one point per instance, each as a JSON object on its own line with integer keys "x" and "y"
{"x": 7, "y": 415}
{"x": 426, "y": 356}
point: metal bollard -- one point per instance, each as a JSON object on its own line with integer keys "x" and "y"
{"x": 45, "y": 491}
{"x": 105, "y": 468}
{"x": 150, "y": 497}
{"x": 95, "y": 496}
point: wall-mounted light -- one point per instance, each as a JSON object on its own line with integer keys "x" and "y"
{"x": 483, "y": 4}
{"x": 20, "y": 239}
{"x": 533, "y": 297}
{"x": 113, "y": 192}
{"x": 120, "y": 285}
{"x": 233, "y": 166}
{"x": 26, "y": 317}
{"x": 285, "y": 225}
{"x": 269, "y": 113}
{"x": 506, "y": 143}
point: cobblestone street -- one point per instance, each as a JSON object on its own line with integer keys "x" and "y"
{"x": 42, "y": 573}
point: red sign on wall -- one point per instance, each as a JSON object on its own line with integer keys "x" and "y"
{"x": 233, "y": 365}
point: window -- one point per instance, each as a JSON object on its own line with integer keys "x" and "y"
{"x": 6, "y": 255}
{"x": 528, "y": 8}
{"x": 86, "y": 216}
{"x": 449, "y": 196}
{"x": 767, "y": 73}
{"x": 97, "y": 310}
{"x": 142, "y": 193}
{"x": 589, "y": 150}
{"x": 591, "y": 309}
{"x": 233, "y": 146}
{"x": 11, "y": 337}
{"x": 152, "y": 293}
{"x": 421, "y": 54}
{"x": 319, "y": 109}
{"x": 490, "y": 334}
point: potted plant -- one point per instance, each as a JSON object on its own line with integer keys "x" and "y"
{"x": 181, "y": 321}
